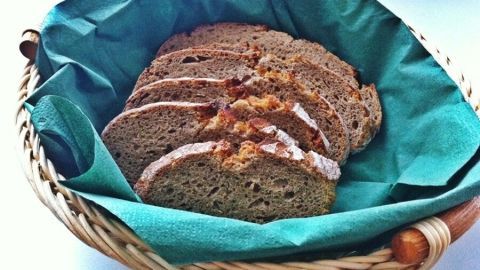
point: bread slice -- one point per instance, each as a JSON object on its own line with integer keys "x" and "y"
{"x": 258, "y": 183}
{"x": 188, "y": 64}
{"x": 346, "y": 100}
{"x": 185, "y": 89}
{"x": 283, "y": 86}
{"x": 139, "y": 136}
{"x": 288, "y": 116}
{"x": 260, "y": 36}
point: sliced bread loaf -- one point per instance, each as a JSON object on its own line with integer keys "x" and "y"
{"x": 283, "y": 86}
{"x": 139, "y": 136}
{"x": 258, "y": 183}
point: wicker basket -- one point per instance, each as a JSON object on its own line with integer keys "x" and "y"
{"x": 417, "y": 247}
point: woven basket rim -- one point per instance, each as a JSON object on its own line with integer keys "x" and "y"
{"x": 116, "y": 240}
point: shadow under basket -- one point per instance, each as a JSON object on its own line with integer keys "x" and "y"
{"x": 417, "y": 247}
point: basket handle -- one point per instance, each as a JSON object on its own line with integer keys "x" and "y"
{"x": 29, "y": 43}
{"x": 410, "y": 246}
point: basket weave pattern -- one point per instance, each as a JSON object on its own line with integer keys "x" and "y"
{"x": 114, "y": 239}
{"x": 471, "y": 96}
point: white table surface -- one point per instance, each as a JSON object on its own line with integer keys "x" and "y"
{"x": 31, "y": 236}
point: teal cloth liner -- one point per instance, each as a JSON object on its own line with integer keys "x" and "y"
{"x": 424, "y": 160}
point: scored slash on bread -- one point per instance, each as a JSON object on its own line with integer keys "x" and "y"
{"x": 259, "y": 182}
{"x": 139, "y": 136}
{"x": 285, "y": 87}
{"x": 317, "y": 108}
{"x": 238, "y": 36}
{"x": 286, "y": 116}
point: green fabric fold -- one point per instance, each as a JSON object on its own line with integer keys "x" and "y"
{"x": 424, "y": 160}
{"x": 69, "y": 135}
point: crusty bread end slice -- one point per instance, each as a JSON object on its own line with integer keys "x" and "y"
{"x": 260, "y": 182}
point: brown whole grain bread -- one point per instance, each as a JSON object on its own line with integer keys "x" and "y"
{"x": 258, "y": 183}
{"x": 285, "y": 87}
{"x": 139, "y": 136}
